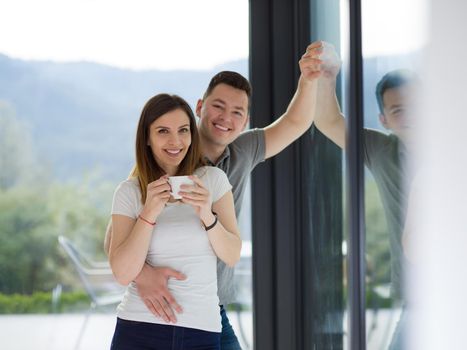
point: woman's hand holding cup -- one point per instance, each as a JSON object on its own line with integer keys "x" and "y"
{"x": 199, "y": 197}
{"x": 158, "y": 194}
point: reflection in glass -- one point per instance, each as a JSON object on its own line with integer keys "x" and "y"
{"x": 324, "y": 257}
{"x": 386, "y": 146}
{"x": 393, "y": 37}
{"x": 385, "y": 155}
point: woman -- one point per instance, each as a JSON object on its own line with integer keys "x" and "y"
{"x": 187, "y": 235}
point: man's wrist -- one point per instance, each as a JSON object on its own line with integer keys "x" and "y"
{"x": 327, "y": 87}
{"x": 330, "y": 81}
{"x": 145, "y": 266}
{"x": 305, "y": 83}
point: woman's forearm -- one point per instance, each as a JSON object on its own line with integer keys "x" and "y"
{"x": 226, "y": 245}
{"x": 127, "y": 258}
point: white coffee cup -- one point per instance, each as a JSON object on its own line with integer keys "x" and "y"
{"x": 175, "y": 183}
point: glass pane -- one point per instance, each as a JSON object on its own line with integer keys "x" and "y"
{"x": 393, "y": 39}
{"x": 74, "y": 77}
{"x": 324, "y": 245}
{"x": 435, "y": 234}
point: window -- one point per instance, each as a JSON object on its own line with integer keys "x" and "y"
{"x": 393, "y": 39}
{"x": 74, "y": 77}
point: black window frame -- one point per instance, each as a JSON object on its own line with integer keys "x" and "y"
{"x": 279, "y": 33}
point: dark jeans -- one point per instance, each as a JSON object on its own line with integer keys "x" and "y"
{"x": 133, "y": 335}
{"x": 229, "y": 340}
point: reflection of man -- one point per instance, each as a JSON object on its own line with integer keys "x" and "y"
{"x": 223, "y": 114}
{"x": 384, "y": 154}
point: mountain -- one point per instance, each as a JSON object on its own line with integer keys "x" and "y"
{"x": 83, "y": 115}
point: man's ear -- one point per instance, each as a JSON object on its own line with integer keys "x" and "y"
{"x": 247, "y": 120}
{"x": 384, "y": 121}
{"x": 199, "y": 105}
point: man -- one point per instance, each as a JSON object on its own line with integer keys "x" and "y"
{"x": 384, "y": 154}
{"x": 223, "y": 115}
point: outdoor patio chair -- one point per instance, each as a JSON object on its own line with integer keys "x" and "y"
{"x": 97, "y": 279}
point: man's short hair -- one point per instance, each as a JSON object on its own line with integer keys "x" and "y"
{"x": 390, "y": 80}
{"x": 232, "y": 79}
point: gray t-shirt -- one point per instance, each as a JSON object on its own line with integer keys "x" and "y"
{"x": 386, "y": 157}
{"x": 238, "y": 160}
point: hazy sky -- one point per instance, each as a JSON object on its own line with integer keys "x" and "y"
{"x": 394, "y": 26}
{"x": 139, "y": 34}
{"x": 173, "y": 34}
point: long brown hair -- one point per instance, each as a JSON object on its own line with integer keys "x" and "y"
{"x": 146, "y": 169}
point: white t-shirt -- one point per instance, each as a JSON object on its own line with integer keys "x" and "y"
{"x": 178, "y": 241}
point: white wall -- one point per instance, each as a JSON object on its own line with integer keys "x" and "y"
{"x": 438, "y": 239}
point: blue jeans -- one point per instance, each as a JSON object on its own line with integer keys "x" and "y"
{"x": 134, "y": 335}
{"x": 229, "y": 340}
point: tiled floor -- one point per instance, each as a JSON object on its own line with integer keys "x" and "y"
{"x": 61, "y": 332}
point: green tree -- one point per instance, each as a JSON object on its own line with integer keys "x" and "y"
{"x": 27, "y": 246}
{"x": 32, "y": 217}
{"x": 17, "y": 160}
{"x": 377, "y": 237}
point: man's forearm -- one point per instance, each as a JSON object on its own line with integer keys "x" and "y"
{"x": 302, "y": 107}
{"x": 329, "y": 119}
{"x": 295, "y": 121}
{"x": 328, "y": 108}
